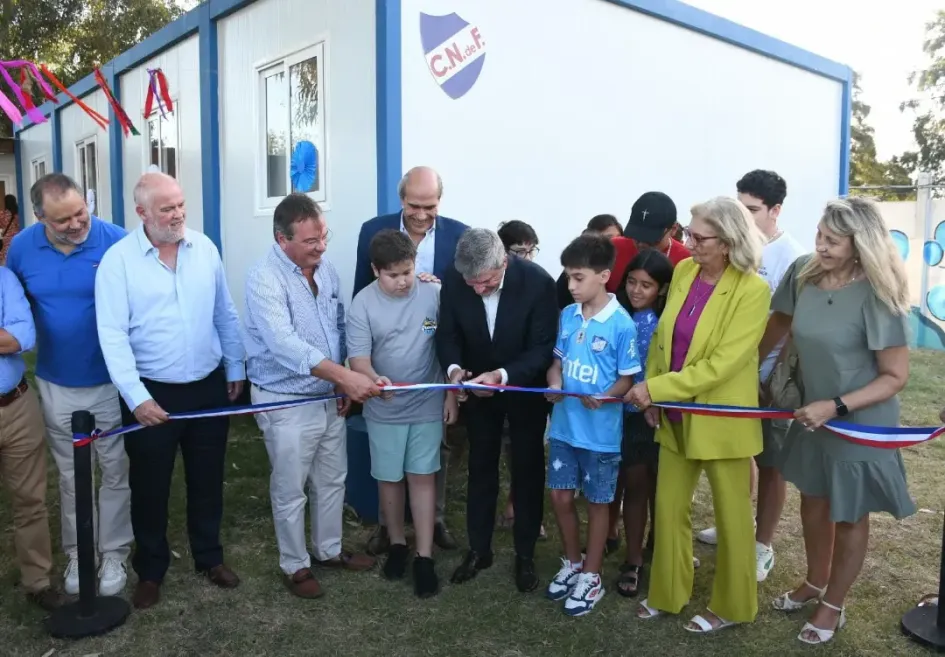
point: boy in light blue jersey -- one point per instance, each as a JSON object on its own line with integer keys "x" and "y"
{"x": 595, "y": 355}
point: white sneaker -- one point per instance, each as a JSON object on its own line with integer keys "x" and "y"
{"x": 112, "y": 577}
{"x": 71, "y": 577}
{"x": 764, "y": 557}
{"x": 564, "y": 581}
{"x": 586, "y": 593}
{"x": 708, "y": 536}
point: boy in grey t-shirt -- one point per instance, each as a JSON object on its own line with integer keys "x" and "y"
{"x": 391, "y": 325}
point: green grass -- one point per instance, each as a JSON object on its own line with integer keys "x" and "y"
{"x": 365, "y": 615}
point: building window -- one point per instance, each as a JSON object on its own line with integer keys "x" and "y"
{"x": 39, "y": 168}
{"x": 86, "y": 164}
{"x": 163, "y": 145}
{"x": 292, "y": 123}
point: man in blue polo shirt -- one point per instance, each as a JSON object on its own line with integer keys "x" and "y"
{"x": 56, "y": 260}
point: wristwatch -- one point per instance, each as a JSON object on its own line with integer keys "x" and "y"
{"x": 842, "y": 409}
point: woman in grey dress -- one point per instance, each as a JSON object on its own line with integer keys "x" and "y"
{"x": 845, "y": 307}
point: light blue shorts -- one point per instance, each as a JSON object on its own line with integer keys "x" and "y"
{"x": 398, "y": 449}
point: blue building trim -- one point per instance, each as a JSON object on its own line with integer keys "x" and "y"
{"x": 18, "y": 172}
{"x": 698, "y": 20}
{"x": 55, "y": 135}
{"x": 210, "y": 127}
{"x": 116, "y": 157}
{"x": 390, "y": 158}
{"x": 846, "y": 118}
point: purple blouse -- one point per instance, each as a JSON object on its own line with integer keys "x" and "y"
{"x": 698, "y": 297}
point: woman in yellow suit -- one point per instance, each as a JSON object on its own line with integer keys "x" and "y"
{"x": 705, "y": 350}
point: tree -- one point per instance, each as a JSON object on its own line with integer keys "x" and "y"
{"x": 928, "y": 127}
{"x": 865, "y": 168}
{"x": 73, "y": 36}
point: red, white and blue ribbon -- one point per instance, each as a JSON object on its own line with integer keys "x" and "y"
{"x": 882, "y": 437}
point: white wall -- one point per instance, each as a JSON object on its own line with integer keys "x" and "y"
{"x": 35, "y": 142}
{"x": 271, "y": 29}
{"x": 181, "y": 68}
{"x": 581, "y": 106}
{"x": 77, "y": 125}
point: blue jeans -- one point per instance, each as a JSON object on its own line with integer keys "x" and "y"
{"x": 594, "y": 472}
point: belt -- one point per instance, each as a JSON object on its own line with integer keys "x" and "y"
{"x": 8, "y": 398}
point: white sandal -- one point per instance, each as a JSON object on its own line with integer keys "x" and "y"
{"x": 705, "y": 626}
{"x": 648, "y": 610}
{"x": 787, "y": 603}
{"x": 823, "y": 636}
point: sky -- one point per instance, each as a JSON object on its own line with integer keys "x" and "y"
{"x": 880, "y": 41}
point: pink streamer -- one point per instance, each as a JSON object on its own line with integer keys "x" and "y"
{"x": 35, "y": 115}
{"x": 10, "y": 109}
{"x": 22, "y": 63}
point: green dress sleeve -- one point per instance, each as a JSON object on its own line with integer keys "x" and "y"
{"x": 884, "y": 328}
{"x": 785, "y": 297}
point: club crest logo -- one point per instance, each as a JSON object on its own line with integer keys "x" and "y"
{"x": 429, "y": 326}
{"x": 455, "y": 52}
{"x": 598, "y": 344}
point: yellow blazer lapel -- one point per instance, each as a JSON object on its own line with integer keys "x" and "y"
{"x": 714, "y": 308}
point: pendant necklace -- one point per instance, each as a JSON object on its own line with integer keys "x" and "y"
{"x": 830, "y": 292}
{"x": 700, "y": 298}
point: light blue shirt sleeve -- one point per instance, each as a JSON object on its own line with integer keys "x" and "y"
{"x": 112, "y": 314}
{"x": 628, "y": 356}
{"x": 266, "y": 304}
{"x": 17, "y": 317}
{"x": 227, "y": 322}
{"x": 561, "y": 343}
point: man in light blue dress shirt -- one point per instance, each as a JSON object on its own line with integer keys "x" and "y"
{"x": 56, "y": 260}
{"x": 22, "y": 449}
{"x": 170, "y": 336}
{"x": 295, "y": 343}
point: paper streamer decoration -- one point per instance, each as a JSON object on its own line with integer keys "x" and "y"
{"x": 303, "y": 167}
{"x": 157, "y": 90}
{"x": 98, "y": 118}
{"x": 120, "y": 114}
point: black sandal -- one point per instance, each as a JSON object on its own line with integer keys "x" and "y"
{"x": 630, "y": 576}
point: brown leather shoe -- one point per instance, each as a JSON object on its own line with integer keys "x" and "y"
{"x": 304, "y": 584}
{"x": 348, "y": 561}
{"x": 48, "y": 598}
{"x": 146, "y": 595}
{"x": 223, "y": 577}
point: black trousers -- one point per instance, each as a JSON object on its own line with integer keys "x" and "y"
{"x": 152, "y": 452}
{"x": 484, "y": 422}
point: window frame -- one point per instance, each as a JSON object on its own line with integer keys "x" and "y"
{"x": 156, "y": 114}
{"x": 36, "y": 161}
{"x": 319, "y": 48}
{"x": 81, "y": 144}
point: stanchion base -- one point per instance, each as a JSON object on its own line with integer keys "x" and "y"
{"x": 67, "y": 622}
{"x": 921, "y": 625}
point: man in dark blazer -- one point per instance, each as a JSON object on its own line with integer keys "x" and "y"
{"x": 420, "y": 191}
{"x": 435, "y": 236}
{"x": 498, "y": 325}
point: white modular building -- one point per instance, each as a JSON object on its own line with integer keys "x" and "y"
{"x": 548, "y": 112}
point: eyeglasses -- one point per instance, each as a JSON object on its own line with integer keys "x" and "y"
{"x": 698, "y": 240}
{"x": 319, "y": 240}
{"x": 523, "y": 252}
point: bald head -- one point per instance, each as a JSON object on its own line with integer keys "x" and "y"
{"x": 420, "y": 190}
{"x": 159, "y": 201}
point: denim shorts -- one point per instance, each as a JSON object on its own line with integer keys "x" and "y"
{"x": 399, "y": 449}
{"x": 594, "y": 472}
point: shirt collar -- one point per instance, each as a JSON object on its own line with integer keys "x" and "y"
{"x": 604, "y": 313}
{"x": 145, "y": 244}
{"x": 430, "y": 232}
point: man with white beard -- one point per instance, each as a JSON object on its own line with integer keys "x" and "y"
{"x": 171, "y": 339}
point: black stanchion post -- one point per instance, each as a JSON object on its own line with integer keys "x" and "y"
{"x": 926, "y": 625}
{"x": 92, "y": 614}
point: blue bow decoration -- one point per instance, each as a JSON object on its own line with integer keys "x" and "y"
{"x": 303, "y": 168}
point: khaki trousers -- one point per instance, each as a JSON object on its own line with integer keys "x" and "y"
{"x": 23, "y": 472}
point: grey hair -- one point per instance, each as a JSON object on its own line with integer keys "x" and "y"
{"x": 478, "y": 250}
{"x": 145, "y": 185}
{"x": 53, "y": 184}
{"x": 402, "y": 185}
